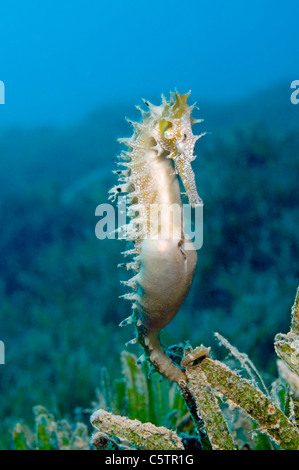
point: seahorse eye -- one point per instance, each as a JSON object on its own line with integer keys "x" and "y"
{"x": 169, "y": 134}
{"x": 165, "y": 128}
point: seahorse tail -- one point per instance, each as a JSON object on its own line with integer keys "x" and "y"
{"x": 150, "y": 340}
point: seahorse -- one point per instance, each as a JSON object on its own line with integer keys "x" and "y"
{"x": 159, "y": 152}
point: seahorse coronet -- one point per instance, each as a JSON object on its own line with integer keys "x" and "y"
{"x": 159, "y": 152}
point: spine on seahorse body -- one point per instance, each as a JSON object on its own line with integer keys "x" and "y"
{"x": 160, "y": 149}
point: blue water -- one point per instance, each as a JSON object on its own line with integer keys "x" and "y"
{"x": 62, "y": 59}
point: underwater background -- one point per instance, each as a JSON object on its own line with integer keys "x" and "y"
{"x": 72, "y": 72}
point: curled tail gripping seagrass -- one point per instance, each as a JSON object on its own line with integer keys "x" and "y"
{"x": 159, "y": 151}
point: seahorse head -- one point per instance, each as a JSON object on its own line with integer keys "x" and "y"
{"x": 174, "y": 136}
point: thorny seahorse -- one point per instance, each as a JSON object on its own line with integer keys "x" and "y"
{"x": 160, "y": 149}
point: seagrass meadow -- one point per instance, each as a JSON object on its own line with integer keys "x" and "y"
{"x": 68, "y": 381}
